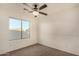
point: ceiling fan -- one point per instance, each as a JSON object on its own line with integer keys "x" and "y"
{"x": 36, "y": 10}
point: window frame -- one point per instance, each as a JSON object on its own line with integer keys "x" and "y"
{"x": 21, "y": 38}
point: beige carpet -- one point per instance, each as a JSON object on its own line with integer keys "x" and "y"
{"x": 38, "y": 50}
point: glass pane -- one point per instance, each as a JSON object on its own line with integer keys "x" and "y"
{"x": 25, "y": 29}
{"x": 15, "y": 28}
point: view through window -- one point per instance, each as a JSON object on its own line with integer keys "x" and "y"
{"x": 19, "y": 29}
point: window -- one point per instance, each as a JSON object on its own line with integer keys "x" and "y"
{"x": 25, "y": 29}
{"x": 19, "y": 29}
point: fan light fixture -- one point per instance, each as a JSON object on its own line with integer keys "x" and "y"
{"x": 35, "y": 13}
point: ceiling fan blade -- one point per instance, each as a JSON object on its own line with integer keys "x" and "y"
{"x": 43, "y": 13}
{"x": 27, "y": 5}
{"x": 43, "y": 6}
{"x": 27, "y": 10}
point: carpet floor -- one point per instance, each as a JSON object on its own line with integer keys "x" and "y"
{"x": 38, "y": 50}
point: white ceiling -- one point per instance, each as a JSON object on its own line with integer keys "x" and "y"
{"x": 52, "y": 7}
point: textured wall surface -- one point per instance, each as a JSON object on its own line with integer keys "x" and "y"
{"x": 60, "y": 29}
{"x": 16, "y": 11}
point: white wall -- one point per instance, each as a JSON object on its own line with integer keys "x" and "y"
{"x": 14, "y": 10}
{"x": 60, "y": 29}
